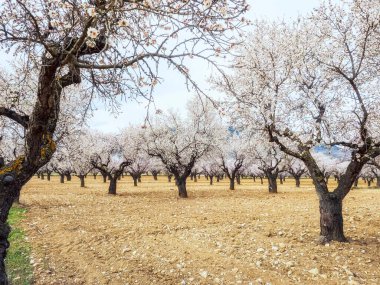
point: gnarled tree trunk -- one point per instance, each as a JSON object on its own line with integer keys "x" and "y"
{"x": 181, "y": 184}
{"x": 113, "y": 185}
{"x": 331, "y": 219}
{"x": 81, "y": 177}
{"x": 62, "y": 178}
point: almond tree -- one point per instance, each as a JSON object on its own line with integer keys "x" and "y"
{"x": 109, "y": 158}
{"x": 79, "y": 149}
{"x": 296, "y": 168}
{"x": 315, "y": 83}
{"x": 179, "y": 143}
{"x": 269, "y": 160}
{"x": 155, "y": 167}
{"x": 231, "y": 154}
{"x": 110, "y": 47}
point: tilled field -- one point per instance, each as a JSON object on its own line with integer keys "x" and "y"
{"x": 146, "y": 235}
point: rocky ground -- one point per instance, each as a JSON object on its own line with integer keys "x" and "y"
{"x": 146, "y": 235}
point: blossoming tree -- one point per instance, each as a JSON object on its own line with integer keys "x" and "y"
{"x": 111, "y": 47}
{"x": 313, "y": 83}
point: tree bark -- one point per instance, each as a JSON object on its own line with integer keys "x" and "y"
{"x": 261, "y": 181}
{"x": 104, "y": 177}
{"x": 181, "y": 184}
{"x": 94, "y": 175}
{"x": 272, "y": 183}
{"x": 377, "y": 181}
{"x": 331, "y": 220}
{"x": 155, "y": 176}
{"x": 42, "y": 176}
{"x": 211, "y": 179}
{"x": 68, "y": 176}
{"x": 81, "y": 177}
{"x": 298, "y": 181}
{"x": 134, "y": 180}
{"x": 238, "y": 179}
{"x": 232, "y": 182}
{"x": 62, "y": 178}
{"x": 169, "y": 178}
{"x": 9, "y": 191}
{"x": 48, "y": 176}
{"x": 112, "y": 186}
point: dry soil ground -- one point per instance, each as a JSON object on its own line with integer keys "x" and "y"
{"x": 145, "y": 235}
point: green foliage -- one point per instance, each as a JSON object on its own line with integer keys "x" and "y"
{"x": 19, "y": 268}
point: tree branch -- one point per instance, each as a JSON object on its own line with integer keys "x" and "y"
{"x": 23, "y": 120}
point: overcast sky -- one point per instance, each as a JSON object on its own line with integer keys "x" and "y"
{"x": 172, "y": 93}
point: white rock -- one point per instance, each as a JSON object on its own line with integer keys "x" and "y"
{"x": 290, "y": 264}
{"x": 314, "y": 271}
{"x": 203, "y": 273}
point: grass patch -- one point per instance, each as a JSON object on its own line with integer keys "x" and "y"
{"x": 19, "y": 269}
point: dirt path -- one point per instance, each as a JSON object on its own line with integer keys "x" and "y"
{"x": 145, "y": 235}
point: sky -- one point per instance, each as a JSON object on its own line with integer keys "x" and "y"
{"x": 172, "y": 93}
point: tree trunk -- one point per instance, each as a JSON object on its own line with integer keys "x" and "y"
{"x": 8, "y": 193}
{"x": 134, "y": 180}
{"x": 238, "y": 181}
{"x": 42, "y": 176}
{"x": 68, "y": 177}
{"x": 38, "y": 175}
{"x": 281, "y": 180}
{"x": 104, "y": 178}
{"x": 254, "y": 179}
{"x": 139, "y": 178}
{"x": 356, "y": 182}
{"x": 181, "y": 184}
{"x": 331, "y": 220}
{"x": 261, "y": 181}
{"x": 211, "y": 179}
{"x": 81, "y": 177}
{"x": 217, "y": 178}
{"x": 155, "y": 176}
{"x": 232, "y": 183}
{"x": 62, "y": 178}
{"x": 377, "y": 181}
{"x": 48, "y": 176}
{"x": 94, "y": 175}
{"x": 195, "y": 178}
{"x": 112, "y": 187}
{"x": 169, "y": 178}
{"x": 298, "y": 181}
{"x": 369, "y": 182}
{"x": 272, "y": 183}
